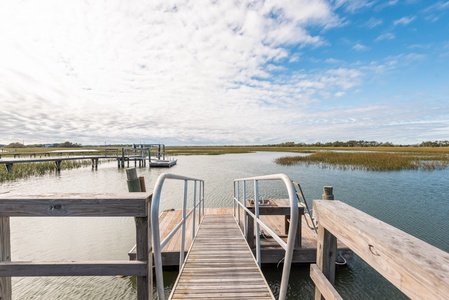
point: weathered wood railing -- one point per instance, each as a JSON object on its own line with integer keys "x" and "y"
{"x": 419, "y": 270}
{"x": 78, "y": 205}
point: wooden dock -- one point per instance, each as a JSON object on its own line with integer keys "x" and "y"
{"x": 220, "y": 265}
{"x": 271, "y": 252}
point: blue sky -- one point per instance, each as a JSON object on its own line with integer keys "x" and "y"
{"x": 224, "y": 72}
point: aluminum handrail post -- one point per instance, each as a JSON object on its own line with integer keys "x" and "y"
{"x": 256, "y": 206}
{"x": 200, "y": 217}
{"x": 238, "y": 196}
{"x": 203, "y": 197}
{"x": 294, "y": 219}
{"x": 199, "y": 202}
{"x": 245, "y": 215}
{"x": 183, "y": 230}
{"x": 233, "y": 201}
{"x": 156, "y": 236}
{"x": 194, "y": 210}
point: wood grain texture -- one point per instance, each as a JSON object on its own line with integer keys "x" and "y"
{"x": 78, "y": 268}
{"x": 65, "y": 205}
{"x": 5, "y": 256}
{"x": 419, "y": 270}
{"x": 323, "y": 284}
{"x": 220, "y": 265}
{"x": 143, "y": 248}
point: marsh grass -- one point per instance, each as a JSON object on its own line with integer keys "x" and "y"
{"x": 37, "y": 169}
{"x": 372, "y": 161}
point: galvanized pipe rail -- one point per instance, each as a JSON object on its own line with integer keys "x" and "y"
{"x": 240, "y": 202}
{"x": 198, "y": 203}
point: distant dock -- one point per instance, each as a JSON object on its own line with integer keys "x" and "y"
{"x": 139, "y": 156}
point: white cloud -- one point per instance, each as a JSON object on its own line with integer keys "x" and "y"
{"x": 436, "y": 11}
{"x": 360, "y": 47}
{"x": 354, "y": 5}
{"x": 404, "y": 21}
{"x": 385, "y": 36}
{"x": 374, "y": 23}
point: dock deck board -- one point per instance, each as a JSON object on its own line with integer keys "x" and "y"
{"x": 220, "y": 265}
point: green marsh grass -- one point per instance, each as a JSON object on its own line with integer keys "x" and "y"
{"x": 372, "y": 161}
{"x": 24, "y": 170}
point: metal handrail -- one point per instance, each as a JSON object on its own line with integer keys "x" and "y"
{"x": 157, "y": 244}
{"x": 294, "y": 219}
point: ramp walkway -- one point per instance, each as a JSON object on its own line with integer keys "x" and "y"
{"x": 220, "y": 265}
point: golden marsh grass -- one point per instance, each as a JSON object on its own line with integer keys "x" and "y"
{"x": 372, "y": 161}
{"x": 24, "y": 170}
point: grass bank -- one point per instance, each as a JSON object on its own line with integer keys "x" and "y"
{"x": 37, "y": 169}
{"x": 373, "y": 161}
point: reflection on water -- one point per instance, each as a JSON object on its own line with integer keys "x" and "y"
{"x": 414, "y": 201}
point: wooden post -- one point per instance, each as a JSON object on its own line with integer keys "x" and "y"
{"x": 133, "y": 180}
{"x": 95, "y": 163}
{"x": 142, "y": 250}
{"x": 326, "y": 248}
{"x": 58, "y": 165}
{"x": 9, "y": 167}
{"x": 142, "y": 184}
{"x": 328, "y": 193}
{"x": 5, "y": 255}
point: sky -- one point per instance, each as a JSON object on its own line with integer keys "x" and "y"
{"x": 223, "y": 72}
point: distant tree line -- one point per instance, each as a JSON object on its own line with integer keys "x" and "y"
{"x": 66, "y": 144}
{"x": 354, "y": 143}
{"x": 435, "y": 144}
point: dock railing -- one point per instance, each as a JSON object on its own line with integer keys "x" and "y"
{"x": 198, "y": 204}
{"x": 77, "y": 205}
{"x": 418, "y": 269}
{"x": 240, "y": 201}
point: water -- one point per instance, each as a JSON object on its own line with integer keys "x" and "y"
{"x": 414, "y": 201}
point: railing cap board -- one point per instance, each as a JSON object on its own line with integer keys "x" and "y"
{"x": 418, "y": 269}
{"x": 75, "y": 204}
{"x": 73, "y": 268}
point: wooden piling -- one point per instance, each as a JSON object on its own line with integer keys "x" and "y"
{"x": 142, "y": 184}
{"x": 328, "y": 193}
{"x": 58, "y": 165}
{"x": 9, "y": 167}
{"x": 326, "y": 248}
{"x": 5, "y": 256}
{"x": 132, "y": 180}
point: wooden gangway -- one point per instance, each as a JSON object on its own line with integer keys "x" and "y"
{"x": 220, "y": 265}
